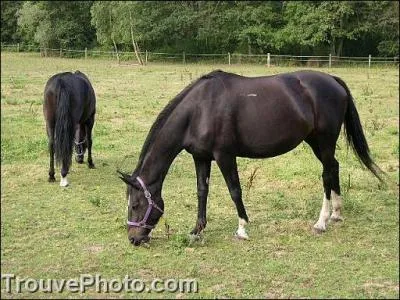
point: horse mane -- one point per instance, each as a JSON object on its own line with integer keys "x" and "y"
{"x": 165, "y": 113}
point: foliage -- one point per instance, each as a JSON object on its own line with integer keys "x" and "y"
{"x": 9, "y": 27}
{"x": 349, "y": 28}
{"x": 56, "y": 24}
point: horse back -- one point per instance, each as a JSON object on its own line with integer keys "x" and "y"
{"x": 82, "y": 97}
{"x": 262, "y": 116}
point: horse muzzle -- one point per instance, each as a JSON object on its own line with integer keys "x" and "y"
{"x": 138, "y": 241}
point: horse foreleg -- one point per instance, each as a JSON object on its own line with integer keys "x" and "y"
{"x": 203, "y": 167}
{"x": 80, "y": 136}
{"x": 228, "y": 167}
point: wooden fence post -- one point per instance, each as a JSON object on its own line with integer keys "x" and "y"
{"x": 330, "y": 60}
{"x": 85, "y": 52}
{"x": 146, "y": 57}
{"x": 229, "y": 58}
{"x": 60, "y": 52}
{"x": 268, "y": 59}
{"x": 184, "y": 58}
{"x": 18, "y": 47}
{"x": 369, "y": 61}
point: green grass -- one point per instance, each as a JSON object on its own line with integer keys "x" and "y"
{"x": 50, "y": 232}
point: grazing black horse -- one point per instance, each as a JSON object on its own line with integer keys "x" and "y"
{"x": 69, "y": 108}
{"x": 222, "y": 116}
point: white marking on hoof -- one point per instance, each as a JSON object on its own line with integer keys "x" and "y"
{"x": 242, "y": 235}
{"x": 64, "y": 181}
{"x": 336, "y": 207}
{"x": 252, "y": 95}
{"x": 241, "y": 232}
{"x": 320, "y": 226}
{"x": 194, "y": 237}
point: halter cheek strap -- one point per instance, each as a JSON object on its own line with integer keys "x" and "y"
{"x": 151, "y": 205}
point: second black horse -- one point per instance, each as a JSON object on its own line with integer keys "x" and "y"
{"x": 69, "y": 109}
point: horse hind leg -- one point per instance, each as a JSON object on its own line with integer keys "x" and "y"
{"x": 50, "y": 133}
{"x": 64, "y": 172}
{"x": 330, "y": 177}
{"x": 89, "y": 127}
{"x": 335, "y": 193}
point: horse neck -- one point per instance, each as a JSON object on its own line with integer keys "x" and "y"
{"x": 160, "y": 155}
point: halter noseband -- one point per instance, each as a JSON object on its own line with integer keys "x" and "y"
{"x": 151, "y": 205}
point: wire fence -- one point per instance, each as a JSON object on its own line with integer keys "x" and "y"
{"x": 270, "y": 60}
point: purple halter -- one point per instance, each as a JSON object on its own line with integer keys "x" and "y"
{"x": 147, "y": 195}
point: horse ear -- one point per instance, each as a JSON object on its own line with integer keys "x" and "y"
{"x": 125, "y": 177}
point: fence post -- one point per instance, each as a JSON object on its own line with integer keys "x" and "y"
{"x": 18, "y": 47}
{"x": 60, "y": 52}
{"x": 85, "y": 52}
{"x": 330, "y": 60}
{"x": 146, "y": 57}
{"x": 369, "y": 61}
{"x": 229, "y": 58}
{"x": 184, "y": 59}
{"x": 268, "y": 59}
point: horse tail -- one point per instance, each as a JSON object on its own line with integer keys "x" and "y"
{"x": 64, "y": 129}
{"x": 355, "y": 135}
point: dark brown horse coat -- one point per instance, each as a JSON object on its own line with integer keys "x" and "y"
{"x": 69, "y": 109}
{"x": 222, "y": 116}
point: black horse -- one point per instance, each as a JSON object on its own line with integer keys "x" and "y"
{"x": 69, "y": 109}
{"x": 222, "y": 116}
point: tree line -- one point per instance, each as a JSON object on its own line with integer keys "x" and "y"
{"x": 342, "y": 28}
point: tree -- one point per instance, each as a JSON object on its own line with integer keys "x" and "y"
{"x": 286, "y": 27}
{"x": 9, "y": 27}
{"x": 328, "y": 23}
{"x": 386, "y": 26}
{"x": 56, "y": 24}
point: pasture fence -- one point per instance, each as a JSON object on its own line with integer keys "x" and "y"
{"x": 269, "y": 59}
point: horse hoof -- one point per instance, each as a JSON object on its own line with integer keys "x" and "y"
{"x": 336, "y": 219}
{"x": 318, "y": 230}
{"x": 194, "y": 237}
{"x": 242, "y": 236}
{"x": 64, "y": 182}
{"x": 52, "y": 179}
{"x": 92, "y": 166}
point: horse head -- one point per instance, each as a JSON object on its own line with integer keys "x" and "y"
{"x": 144, "y": 209}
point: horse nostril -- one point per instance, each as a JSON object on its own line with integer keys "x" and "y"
{"x": 134, "y": 241}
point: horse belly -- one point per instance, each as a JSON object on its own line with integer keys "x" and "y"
{"x": 266, "y": 135}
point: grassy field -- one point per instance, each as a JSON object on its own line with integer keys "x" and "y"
{"x": 50, "y": 232}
